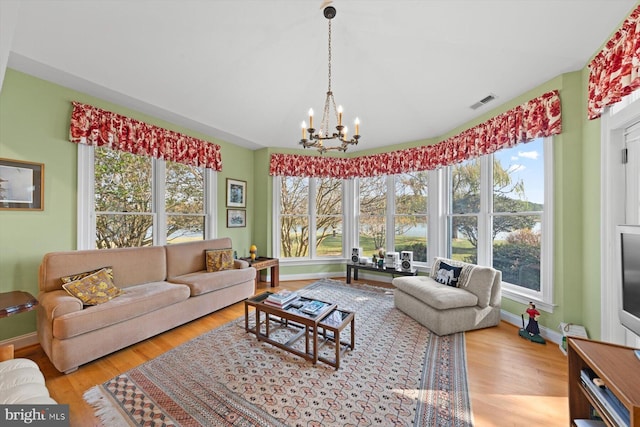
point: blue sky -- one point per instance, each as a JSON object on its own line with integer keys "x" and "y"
{"x": 526, "y": 162}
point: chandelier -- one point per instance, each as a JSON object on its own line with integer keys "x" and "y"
{"x": 319, "y": 137}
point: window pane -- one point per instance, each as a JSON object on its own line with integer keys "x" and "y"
{"x": 185, "y": 228}
{"x": 329, "y": 236}
{"x": 373, "y": 208}
{"x": 122, "y": 182}
{"x": 464, "y": 239}
{"x": 518, "y": 178}
{"x": 328, "y": 217}
{"x": 294, "y": 196}
{"x": 294, "y": 236}
{"x": 411, "y": 193}
{"x": 465, "y": 187}
{"x": 411, "y": 214}
{"x": 411, "y": 235}
{"x": 516, "y": 249}
{"x": 184, "y": 194}
{"x": 123, "y": 230}
{"x": 184, "y": 189}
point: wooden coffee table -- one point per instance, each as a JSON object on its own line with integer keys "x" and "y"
{"x": 309, "y": 326}
{"x": 262, "y": 263}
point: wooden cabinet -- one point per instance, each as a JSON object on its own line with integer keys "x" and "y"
{"x": 619, "y": 369}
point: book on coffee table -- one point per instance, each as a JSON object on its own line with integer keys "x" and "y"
{"x": 313, "y": 307}
{"x": 281, "y": 298}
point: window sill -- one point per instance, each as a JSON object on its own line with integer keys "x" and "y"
{"x": 525, "y": 298}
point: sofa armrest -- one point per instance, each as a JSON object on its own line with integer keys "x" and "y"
{"x": 239, "y": 263}
{"x": 58, "y": 303}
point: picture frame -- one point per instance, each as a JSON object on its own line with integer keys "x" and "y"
{"x": 21, "y": 185}
{"x": 236, "y": 218}
{"x": 236, "y": 193}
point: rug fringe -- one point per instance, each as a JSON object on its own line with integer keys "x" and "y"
{"x": 105, "y": 410}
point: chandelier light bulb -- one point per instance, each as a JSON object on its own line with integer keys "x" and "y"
{"x": 311, "y": 117}
{"x": 357, "y": 123}
{"x": 304, "y": 130}
{"x": 339, "y": 115}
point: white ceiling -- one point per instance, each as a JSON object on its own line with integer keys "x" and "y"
{"x": 247, "y": 71}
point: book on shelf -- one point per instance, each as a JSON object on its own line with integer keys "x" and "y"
{"x": 618, "y": 412}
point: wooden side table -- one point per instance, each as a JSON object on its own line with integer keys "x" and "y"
{"x": 11, "y": 303}
{"x": 262, "y": 263}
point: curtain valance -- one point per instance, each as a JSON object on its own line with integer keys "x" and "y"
{"x": 539, "y": 117}
{"x": 94, "y": 126}
{"x": 615, "y": 71}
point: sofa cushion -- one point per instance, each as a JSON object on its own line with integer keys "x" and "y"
{"x": 480, "y": 283}
{"x": 134, "y": 301}
{"x": 94, "y": 288}
{"x": 219, "y": 259}
{"x": 438, "y": 296}
{"x": 202, "y": 282}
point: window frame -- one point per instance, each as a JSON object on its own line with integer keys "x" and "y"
{"x": 86, "y": 214}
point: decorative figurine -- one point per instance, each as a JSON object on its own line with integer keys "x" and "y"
{"x": 532, "y": 331}
{"x": 253, "y": 250}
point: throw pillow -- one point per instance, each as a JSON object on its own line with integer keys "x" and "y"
{"x": 78, "y": 276}
{"x": 219, "y": 259}
{"x": 448, "y": 274}
{"x": 94, "y": 289}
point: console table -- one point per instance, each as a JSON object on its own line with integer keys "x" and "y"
{"x": 11, "y": 303}
{"x": 392, "y": 271}
{"x": 262, "y": 263}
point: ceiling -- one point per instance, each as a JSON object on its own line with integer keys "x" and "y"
{"x": 247, "y": 71}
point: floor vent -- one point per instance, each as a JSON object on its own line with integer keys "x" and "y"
{"x": 483, "y": 101}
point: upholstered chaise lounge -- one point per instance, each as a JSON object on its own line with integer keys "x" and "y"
{"x": 473, "y": 303}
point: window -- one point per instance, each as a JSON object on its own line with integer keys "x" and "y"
{"x": 125, "y": 200}
{"x": 410, "y": 220}
{"x": 311, "y": 217}
{"x": 372, "y": 224}
{"x": 499, "y": 214}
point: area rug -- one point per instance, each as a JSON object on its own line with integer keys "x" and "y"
{"x": 399, "y": 374}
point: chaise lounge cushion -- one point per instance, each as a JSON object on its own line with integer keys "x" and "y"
{"x": 439, "y": 296}
{"x": 133, "y": 302}
{"x": 21, "y": 382}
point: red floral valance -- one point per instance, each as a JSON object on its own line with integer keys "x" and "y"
{"x": 615, "y": 71}
{"x": 94, "y": 126}
{"x": 539, "y": 117}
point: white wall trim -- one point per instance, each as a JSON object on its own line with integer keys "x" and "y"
{"x": 22, "y": 341}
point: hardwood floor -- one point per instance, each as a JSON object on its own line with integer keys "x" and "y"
{"x": 512, "y": 382}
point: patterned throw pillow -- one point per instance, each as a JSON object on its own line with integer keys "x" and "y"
{"x": 219, "y": 259}
{"x": 448, "y": 274}
{"x": 94, "y": 289}
{"x": 78, "y": 276}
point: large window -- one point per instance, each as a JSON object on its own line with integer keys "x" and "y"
{"x": 372, "y": 227}
{"x": 311, "y": 217}
{"x": 498, "y": 212}
{"x": 140, "y": 201}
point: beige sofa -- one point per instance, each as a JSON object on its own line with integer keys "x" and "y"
{"x": 445, "y": 309}
{"x": 163, "y": 287}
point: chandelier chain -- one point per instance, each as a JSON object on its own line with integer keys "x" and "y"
{"x": 329, "y": 56}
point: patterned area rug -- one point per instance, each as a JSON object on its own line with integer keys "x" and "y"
{"x": 399, "y": 374}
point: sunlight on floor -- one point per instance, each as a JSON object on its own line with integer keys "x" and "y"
{"x": 547, "y": 408}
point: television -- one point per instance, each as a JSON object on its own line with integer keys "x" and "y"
{"x": 629, "y": 313}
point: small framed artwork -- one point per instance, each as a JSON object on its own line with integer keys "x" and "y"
{"x": 21, "y": 185}
{"x": 236, "y": 218}
{"x": 236, "y": 193}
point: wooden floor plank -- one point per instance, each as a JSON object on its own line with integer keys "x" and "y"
{"x": 512, "y": 382}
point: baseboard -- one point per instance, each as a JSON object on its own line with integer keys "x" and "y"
{"x": 546, "y": 333}
{"x": 21, "y": 341}
{"x": 307, "y": 276}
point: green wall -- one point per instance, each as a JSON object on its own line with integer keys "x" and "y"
{"x": 34, "y": 122}
{"x": 34, "y": 127}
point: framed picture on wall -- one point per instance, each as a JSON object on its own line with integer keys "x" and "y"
{"x": 236, "y": 193}
{"x": 21, "y": 185}
{"x": 236, "y": 218}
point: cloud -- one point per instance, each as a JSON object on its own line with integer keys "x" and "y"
{"x": 533, "y": 155}
{"x": 514, "y": 158}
